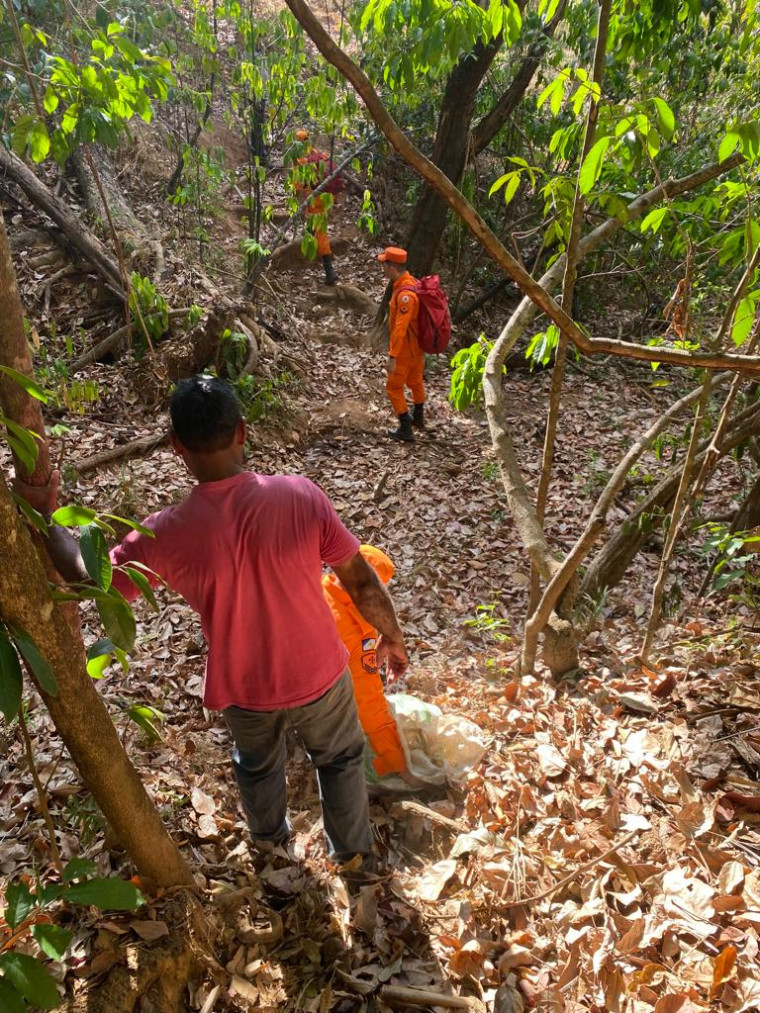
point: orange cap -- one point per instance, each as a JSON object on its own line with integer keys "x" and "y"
{"x": 393, "y": 254}
{"x": 302, "y": 135}
{"x": 379, "y": 561}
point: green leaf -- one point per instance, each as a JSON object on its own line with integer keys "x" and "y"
{"x": 19, "y": 901}
{"x": 665, "y": 118}
{"x": 745, "y": 314}
{"x": 51, "y": 100}
{"x": 92, "y": 544}
{"x": 33, "y": 389}
{"x": 33, "y": 516}
{"x": 101, "y": 654}
{"x": 24, "y": 444}
{"x": 11, "y": 678}
{"x": 30, "y": 978}
{"x": 52, "y": 939}
{"x": 39, "y": 142}
{"x": 73, "y": 516}
{"x": 654, "y": 219}
{"x": 728, "y": 145}
{"x": 142, "y": 584}
{"x": 592, "y": 165}
{"x": 118, "y": 619}
{"x": 75, "y": 868}
{"x": 145, "y": 717}
{"x": 39, "y": 666}
{"x": 11, "y": 1000}
{"x": 109, "y": 894}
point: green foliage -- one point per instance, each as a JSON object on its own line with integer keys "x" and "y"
{"x": 466, "y": 387}
{"x": 149, "y": 307}
{"x": 427, "y": 37}
{"x": 489, "y": 624}
{"x": 90, "y": 98}
{"x": 25, "y": 981}
{"x": 734, "y": 563}
{"x": 542, "y": 346}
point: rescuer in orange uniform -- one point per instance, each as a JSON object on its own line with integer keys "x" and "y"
{"x": 321, "y": 162}
{"x": 360, "y": 639}
{"x": 406, "y": 360}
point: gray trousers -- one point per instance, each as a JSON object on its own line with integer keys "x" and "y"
{"x": 329, "y": 729}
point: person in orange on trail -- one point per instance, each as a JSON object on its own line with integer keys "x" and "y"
{"x": 360, "y": 639}
{"x": 322, "y": 165}
{"x": 406, "y": 360}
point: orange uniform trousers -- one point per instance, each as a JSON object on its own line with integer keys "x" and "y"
{"x": 375, "y": 716}
{"x": 409, "y": 372}
{"x": 316, "y": 207}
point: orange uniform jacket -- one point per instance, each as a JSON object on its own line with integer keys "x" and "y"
{"x": 360, "y": 639}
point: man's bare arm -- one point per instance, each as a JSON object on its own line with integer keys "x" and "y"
{"x": 373, "y": 601}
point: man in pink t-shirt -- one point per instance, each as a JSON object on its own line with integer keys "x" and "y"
{"x": 246, "y": 551}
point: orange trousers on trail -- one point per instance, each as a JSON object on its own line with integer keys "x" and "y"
{"x": 316, "y": 207}
{"x": 409, "y": 373}
{"x": 360, "y": 640}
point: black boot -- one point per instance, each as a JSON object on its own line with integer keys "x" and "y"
{"x": 404, "y": 432}
{"x": 330, "y": 275}
{"x": 418, "y": 416}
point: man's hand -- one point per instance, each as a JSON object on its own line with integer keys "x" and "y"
{"x": 392, "y": 650}
{"x": 42, "y": 498}
{"x": 390, "y": 366}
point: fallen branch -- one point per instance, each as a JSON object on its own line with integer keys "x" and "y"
{"x": 87, "y": 244}
{"x": 141, "y": 446}
{"x": 403, "y": 996}
{"x": 431, "y": 814}
{"x": 103, "y": 347}
{"x": 573, "y": 875}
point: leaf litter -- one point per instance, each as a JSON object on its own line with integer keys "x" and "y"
{"x": 604, "y": 855}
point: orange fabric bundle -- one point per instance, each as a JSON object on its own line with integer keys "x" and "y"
{"x": 360, "y": 639}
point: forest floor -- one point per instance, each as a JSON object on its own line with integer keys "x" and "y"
{"x": 604, "y": 855}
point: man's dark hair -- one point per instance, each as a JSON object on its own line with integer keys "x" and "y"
{"x": 205, "y": 413}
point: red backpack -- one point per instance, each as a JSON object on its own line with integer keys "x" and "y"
{"x": 434, "y": 321}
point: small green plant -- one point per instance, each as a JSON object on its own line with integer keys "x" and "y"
{"x": 30, "y": 906}
{"x": 262, "y": 398}
{"x": 492, "y": 627}
{"x": 467, "y": 379}
{"x": 150, "y": 309}
{"x": 490, "y": 471}
{"x": 598, "y": 476}
{"x": 734, "y": 563}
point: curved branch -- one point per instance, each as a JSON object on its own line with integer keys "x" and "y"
{"x": 488, "y": 240}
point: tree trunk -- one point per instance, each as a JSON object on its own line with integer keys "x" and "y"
{"x": 450, "y": 150}
{"x": 139, "y": 246}
{"x": 26, "y": 603}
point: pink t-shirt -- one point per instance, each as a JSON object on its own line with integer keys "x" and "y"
{"x": 246, "y": 553}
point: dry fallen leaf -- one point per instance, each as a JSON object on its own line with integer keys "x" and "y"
{"x": 676, "y": 1002}
{"x": 435, "y": 878}
{"x": 551, "y": 761}
{"x": 149, "y": 930}
{"x": 203, "y": 804}
{"x": 723, "y": 968}
{"x": 207, "y": 827}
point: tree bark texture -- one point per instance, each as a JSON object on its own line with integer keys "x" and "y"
{"x": 86, "y": 244}
{"x": 16, "y": 403}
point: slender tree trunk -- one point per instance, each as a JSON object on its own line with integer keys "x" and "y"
{"x": 26, "y": 603}
{"x": 568, "y": 651}
{"x": 450, "y": 152}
